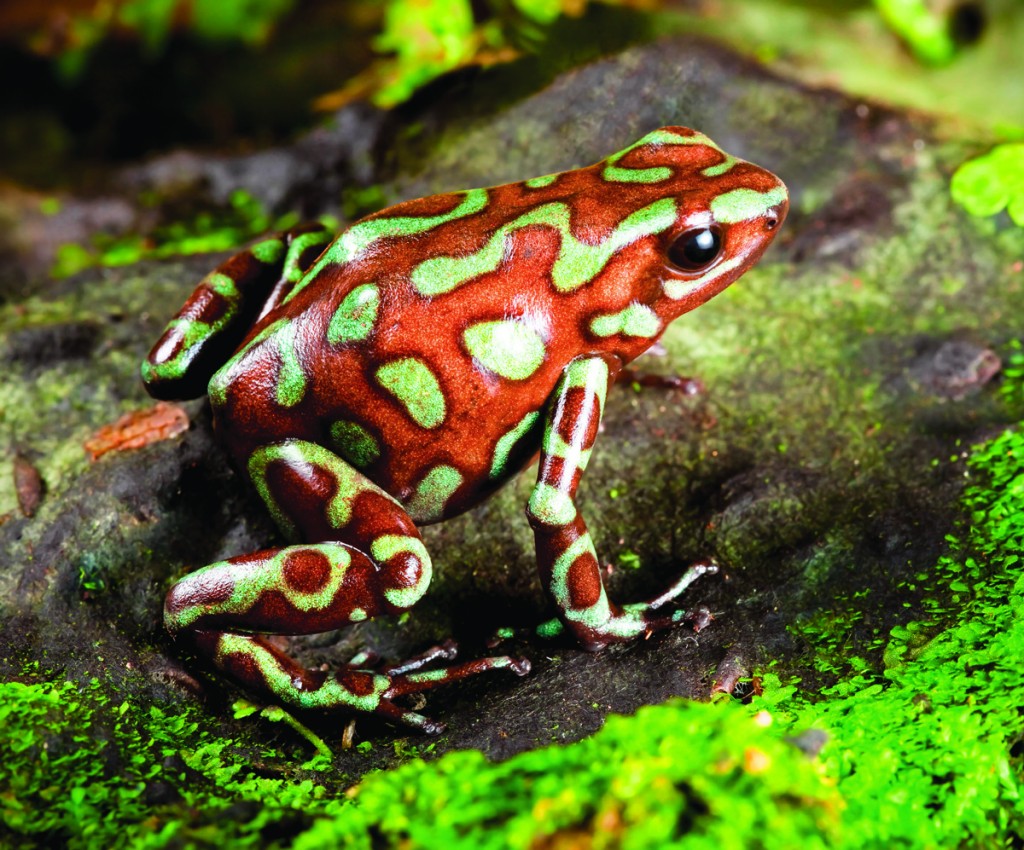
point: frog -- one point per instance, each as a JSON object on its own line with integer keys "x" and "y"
{"x": 398, "y": 375}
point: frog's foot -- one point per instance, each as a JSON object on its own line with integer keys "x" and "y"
{"x": 261, "y": 667}
{"x": 681, "y": 383}
{"x": 601, "y": 625}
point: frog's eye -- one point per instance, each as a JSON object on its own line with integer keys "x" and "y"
{"x": 696, "y": 249}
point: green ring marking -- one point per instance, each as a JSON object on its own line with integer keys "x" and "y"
{"x": 416, "y": 387}
{"x": 329, "y": 695}
{"x": 617, "y": 174}
{"x": 291, "y": 270}
{"x": 386, "y": 547}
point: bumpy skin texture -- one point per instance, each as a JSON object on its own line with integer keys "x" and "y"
{"x": 414, "y": 366}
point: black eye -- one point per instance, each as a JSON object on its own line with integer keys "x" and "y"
{"x": 696, "y": 249}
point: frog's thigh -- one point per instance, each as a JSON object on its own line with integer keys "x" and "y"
{"x": 366, "y": 557}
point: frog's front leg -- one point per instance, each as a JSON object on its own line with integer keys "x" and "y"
{"x": 366, "y": 558}
{"x": 565, "y": 552}
{"x": 224, "y": 306}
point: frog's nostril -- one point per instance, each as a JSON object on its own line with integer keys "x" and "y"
{"x": 771, "y": 221}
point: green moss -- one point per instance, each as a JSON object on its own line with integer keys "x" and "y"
{"x": 206, "y": 233}
{"x": 81, "y": 771}
{"x": 921, "y": 747}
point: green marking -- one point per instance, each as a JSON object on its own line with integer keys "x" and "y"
{"x": 298, "y": 454}
{"x": 355, "y": 443}
{"x": 540, "y": 182}
{"x": 361, "y": 235}
{"x": 634, "y": 320}
{"x": 507, "y": 347}
{"x": 617, "y": 174}
{"x": 503, "y": 448}
{"x": 433, "y": 492}
{"x": 291, "y": 379}
{"x": 551, "y": 505}
{"x": 593, "y": 616}
{"x": 577, "y": 263}
{"x": 268, "y": 251}
{"x": 416, "y": 387}
{"x": 248, "y": 584}
{"x": 388, "y": 546}
{"x": 221, "y": 380}
{"x": 331, "y": 694}
{"x": 224, "y": 285}
{"x": 195, "y": 331}
{"x": 676, "y": 289}
{"x": 745, "y": 204}
{"x": 291, "y": 270}
{"x": 355, "y": 316}
{"x": 591, "y": 375}
{"x": 722, "y": 167}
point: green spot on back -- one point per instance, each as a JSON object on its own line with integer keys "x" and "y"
{"x": 416, "y": 387}
{"x": 745, "y": 204}
{"x": 353, "y": 442}
{"x": 433, "y": 492}
{"x": 355, "y": 316}
{"x": 508, "y": 348}
{"x": 540, "y": 182}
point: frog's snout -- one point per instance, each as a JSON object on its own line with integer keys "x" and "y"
{"x": 774, "y": 216}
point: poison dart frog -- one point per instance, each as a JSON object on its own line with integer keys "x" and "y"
{"x": 400, "y": 374}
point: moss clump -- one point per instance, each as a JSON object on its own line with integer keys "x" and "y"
{"x": 922, "y": 750}
{"x": 82, "y": 772}
{"x": 680, "y": 775}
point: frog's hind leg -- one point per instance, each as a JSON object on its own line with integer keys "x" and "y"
{"x": 367, "y": 559}
{"x": 223, "y": 308}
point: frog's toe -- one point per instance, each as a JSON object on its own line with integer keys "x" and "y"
{"x": 445, "y": 651}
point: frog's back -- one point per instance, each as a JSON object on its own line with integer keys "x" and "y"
{"x": 424, "y": 344}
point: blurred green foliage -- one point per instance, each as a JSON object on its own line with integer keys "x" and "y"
{"x": 922, "y": 27}
{"x": 993, "y": 182}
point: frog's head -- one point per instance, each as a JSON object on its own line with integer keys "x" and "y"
{"x": 720, "y": 213}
